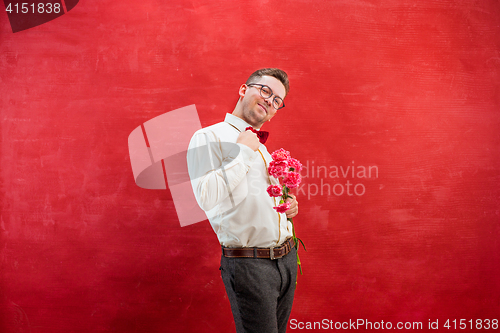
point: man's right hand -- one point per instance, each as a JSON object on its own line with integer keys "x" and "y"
{"x": 250, "y": 139}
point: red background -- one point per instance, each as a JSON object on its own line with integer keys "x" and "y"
{"x": 411, "y": 87}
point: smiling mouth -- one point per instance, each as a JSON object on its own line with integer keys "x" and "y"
{"x": 262, "y": 107}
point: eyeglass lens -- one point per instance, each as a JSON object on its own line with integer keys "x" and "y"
{"x": 266, "y": 92}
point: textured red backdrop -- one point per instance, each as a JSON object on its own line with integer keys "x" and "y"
{"x": 409, "y": 88}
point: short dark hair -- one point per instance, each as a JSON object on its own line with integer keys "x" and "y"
{"x": 274, "y": 72}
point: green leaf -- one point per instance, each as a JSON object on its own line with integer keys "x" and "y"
{"x": 302, "y": 243}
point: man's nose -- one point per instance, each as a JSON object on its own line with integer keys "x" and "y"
{"x": 269, "y": 100}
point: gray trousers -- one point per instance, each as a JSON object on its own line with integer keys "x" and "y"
{"x": 260, "y": 292}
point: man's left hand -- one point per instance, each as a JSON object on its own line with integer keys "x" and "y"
{"x": 294, "y": 206}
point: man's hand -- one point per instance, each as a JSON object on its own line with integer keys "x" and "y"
{"x": 250, "y": 139}
{"x": 294, "y": 206}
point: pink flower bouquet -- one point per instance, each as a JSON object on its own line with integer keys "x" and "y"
{"x": 286, "y": 169}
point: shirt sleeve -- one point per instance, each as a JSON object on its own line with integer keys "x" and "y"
{"x": 216, "y": 168}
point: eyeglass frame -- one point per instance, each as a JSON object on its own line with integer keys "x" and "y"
{"x": 272, "y": 94}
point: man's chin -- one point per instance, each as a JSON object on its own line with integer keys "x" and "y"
{"x": 256, "y": 119}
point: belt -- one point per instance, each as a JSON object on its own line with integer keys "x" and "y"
{"x": 259, "y": 252}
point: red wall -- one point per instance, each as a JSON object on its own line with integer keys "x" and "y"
{"x": 410, "y": 88}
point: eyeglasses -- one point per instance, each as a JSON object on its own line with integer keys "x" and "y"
{"x": 267, "y": 92}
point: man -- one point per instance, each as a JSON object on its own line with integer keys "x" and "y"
{"x": 228, "y": 168}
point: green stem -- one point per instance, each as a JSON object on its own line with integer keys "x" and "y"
{"x": 296, "y": 240}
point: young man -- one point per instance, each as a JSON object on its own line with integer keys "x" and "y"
{"x": 227, "y": 164}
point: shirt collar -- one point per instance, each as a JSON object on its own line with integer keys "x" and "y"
{"x": 236, "y": 122}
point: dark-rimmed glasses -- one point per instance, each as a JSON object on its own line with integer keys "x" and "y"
{"x": 267, "y": 92}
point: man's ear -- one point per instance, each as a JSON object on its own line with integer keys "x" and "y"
{"x": 243, "y": 90}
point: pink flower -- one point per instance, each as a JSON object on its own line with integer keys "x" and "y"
{"x": 292, "y": 180}
{"x": 280, "y": 155}
{"x": 278, "y": 168}
{"x": 295, "y": 164}
{"x": 275, "y": 190}
{"x": 282, "y": 207}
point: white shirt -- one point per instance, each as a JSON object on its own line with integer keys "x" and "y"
{"x": 229, "y": 181}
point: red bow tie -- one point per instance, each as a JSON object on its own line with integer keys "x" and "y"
{"x": 262, "y": 135}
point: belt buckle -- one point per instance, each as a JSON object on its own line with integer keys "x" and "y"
{"x": 271, "y": 253}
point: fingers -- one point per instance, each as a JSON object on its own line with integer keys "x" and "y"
{"x": 291, "y": 213}
{"x": 293, "y": 201}
{"x": 294, "y": 206}
{"x": 249, "y": 139}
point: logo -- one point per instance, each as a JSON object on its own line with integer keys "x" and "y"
{"x": 158, "y": 151}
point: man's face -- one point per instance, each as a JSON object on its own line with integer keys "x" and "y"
{"x": 256, "y": 110}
